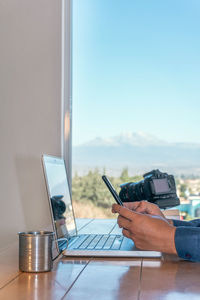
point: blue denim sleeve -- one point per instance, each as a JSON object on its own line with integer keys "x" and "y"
{"x": 193, "y": 223}
{"x": 187, "y": 242}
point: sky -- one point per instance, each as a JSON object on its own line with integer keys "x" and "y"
{"x": 136, "y": 67}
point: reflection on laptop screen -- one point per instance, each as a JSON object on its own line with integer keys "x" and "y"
{"x": 59, "y": 195}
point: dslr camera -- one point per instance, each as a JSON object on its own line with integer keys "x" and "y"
{"x": 156, "y": 187}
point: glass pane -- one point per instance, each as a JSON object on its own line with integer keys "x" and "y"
{"x": 136, "y": 98}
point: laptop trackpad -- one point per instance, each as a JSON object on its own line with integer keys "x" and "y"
{"x": 127, "y": 245}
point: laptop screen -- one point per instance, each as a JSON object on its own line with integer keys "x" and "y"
{"x": 59, "y": 196}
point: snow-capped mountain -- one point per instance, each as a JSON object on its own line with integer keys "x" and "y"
{"x": 140, "y": 152}
{"x": 127, "y": 138}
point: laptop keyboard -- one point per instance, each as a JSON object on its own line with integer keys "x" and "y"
{"x": 98, "y": 242}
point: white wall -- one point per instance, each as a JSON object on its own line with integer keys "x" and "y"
{"x": 30, "y": 117}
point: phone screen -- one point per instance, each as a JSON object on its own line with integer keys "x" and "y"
{"x": 112, "y": 190}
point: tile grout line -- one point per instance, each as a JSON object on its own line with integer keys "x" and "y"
{"x": 85, "y": 225}
{"x": 13, "y": 279}
{"x": 112, "y": 228}
{"x": 69, "y": 288}
{"x": 140, "y": 283}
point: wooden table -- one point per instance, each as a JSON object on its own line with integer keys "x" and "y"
{"x": 108, "y": 278}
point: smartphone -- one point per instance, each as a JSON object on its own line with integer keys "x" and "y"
{"x": 112, "y": 190}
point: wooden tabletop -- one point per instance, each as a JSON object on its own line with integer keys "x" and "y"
{"x": 108, "y": 278}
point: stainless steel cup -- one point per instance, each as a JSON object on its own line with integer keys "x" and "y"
{"x": 35, "y": 251}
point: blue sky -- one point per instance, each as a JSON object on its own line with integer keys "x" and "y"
{"x": 136, "y": 67}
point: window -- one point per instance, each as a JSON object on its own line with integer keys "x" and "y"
{"x": 136, "y": 98}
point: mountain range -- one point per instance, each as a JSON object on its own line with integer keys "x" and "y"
{"x": 139, "y": 152}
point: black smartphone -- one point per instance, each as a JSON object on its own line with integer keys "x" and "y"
{"x": 112, "y": 190}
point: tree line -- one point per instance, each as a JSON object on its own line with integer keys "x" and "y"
{"x": 91, "y": 187}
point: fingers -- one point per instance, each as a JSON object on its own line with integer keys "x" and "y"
{"x": 142, "y": 207}
{"x": 139, "y": 206}
{"x": 132, "y": 205}
{"x": 123, "y": 222}
{"x": 126, "y": 233}
{"x": 129, "y": 205}
{"x": 146, "y": 207}
{"x": 113, "y": 211}
{"x": 149, "y": 208}
{"x": 124, "y": 212}
{"x": 113, "y": 208}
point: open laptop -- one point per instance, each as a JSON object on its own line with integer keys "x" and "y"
{"x": 64, "y": 222}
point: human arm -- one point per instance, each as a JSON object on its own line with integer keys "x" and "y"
{"x": 150, "y": 235}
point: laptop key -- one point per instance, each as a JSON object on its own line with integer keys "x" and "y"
{"x": 102, "y": 241}
{"x": 77, "y": 243}
{"x": 87, "y": 241}
{"x": 94, "y": 242}
{"x": 109, "y": 242}
{"x": 117, "y": 243}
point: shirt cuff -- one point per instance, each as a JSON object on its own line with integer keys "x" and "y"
{"x": 192, "y": 223}
{"x": 178, "y": 223}
{"x": 187, "y": 243}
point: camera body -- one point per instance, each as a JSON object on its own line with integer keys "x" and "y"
{"x": 156, "y": 187}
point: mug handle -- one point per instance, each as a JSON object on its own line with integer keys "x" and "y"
{"x": 61, "y": 239}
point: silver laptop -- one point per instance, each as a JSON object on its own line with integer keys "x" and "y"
{"x": 70, "y": 242}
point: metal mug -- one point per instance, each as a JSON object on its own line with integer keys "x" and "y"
{"x": 35, "y": 251}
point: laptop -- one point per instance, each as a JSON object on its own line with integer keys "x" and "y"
{"x": 70, "y": 242}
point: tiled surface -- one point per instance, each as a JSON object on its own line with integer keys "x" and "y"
{"x": 48, "y": 285}
{"x": 170, "y": 279}
{"x": 108, "y": 278}
{"x": 8, "y": 264}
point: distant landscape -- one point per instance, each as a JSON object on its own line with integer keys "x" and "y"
{"x": 126, "y": 158}
{"x": 139, "y": 152}
{"x": 91, "y": 198}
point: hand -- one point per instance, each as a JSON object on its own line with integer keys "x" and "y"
{"x": 147, "y": 231}
{"x": 146, "y": 207}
